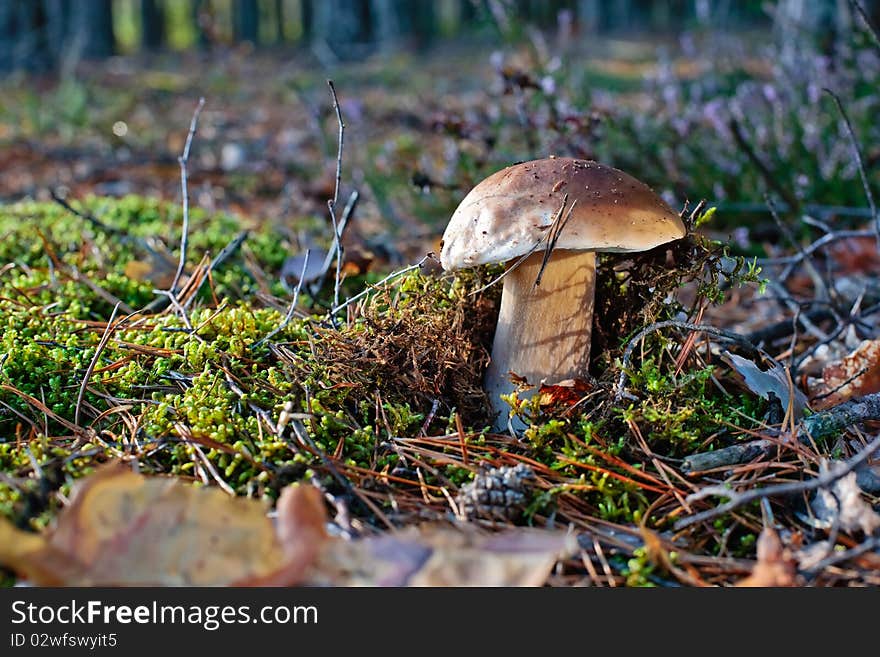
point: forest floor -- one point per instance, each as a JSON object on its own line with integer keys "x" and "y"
{"x": 724, "y": 436}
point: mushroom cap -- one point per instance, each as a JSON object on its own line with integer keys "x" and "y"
{"x": 509, "y": 212}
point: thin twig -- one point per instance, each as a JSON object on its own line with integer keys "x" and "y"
{"x": 367, "y": 290}
{"x": 872, "y": 29}
{"x": 818, "y": 281}
{"x": 795, "y": 307}
{"x": 761, "y": 166}
{"x": 619, "y": 389}
{"x": 337, "y": 247}
{"x": 291, "y": 309}
{"x": 509, "y": 269}
{"x": 124, "y": 235}
{"x": 857, "y": 152}
{"x": 347, "y": 213}
{"x": 87, "y": 216}
{"x": 105, "y": 338}
{"x": 525, "y": 256}
{"x": 233, "y": 246}
{"x": 867, "y": 545}
{"x": 182, "y": 160}
{"x": 331, "y": 204}
{"x": 304, "y": 438}
{"x": 811, "y": 248}
{"x": 555, "y": 230}
{"x": 823, "y": 211}
{"x": 340, "y": 140}
{"x": 739, "y": 499}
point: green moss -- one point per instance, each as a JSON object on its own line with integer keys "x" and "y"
{"x": 177, "y": 398}
{"x": 203, "y": 398}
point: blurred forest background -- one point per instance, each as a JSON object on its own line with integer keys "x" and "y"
{"x": 702, "y": 99}
{"x": 40, "y": 33}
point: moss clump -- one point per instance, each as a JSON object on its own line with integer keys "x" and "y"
{"x": 387, "y": 399}
{"x": 203, "y": 397}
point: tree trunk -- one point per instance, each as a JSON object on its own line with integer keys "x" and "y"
{"x": 58, "y": 27}
{"x": 92, "y": 23}
{"x": 589, "y": 13}
{"x": 152, "y": 25}
{"x": 342, "y": 26}
{"x": 278, "y": 20}
{"x": 246, "y": 16}
{"x": 400, "y": 22}
{"x": 8, "y": 35}
{"x": 307, "y": 19}
{"x": 815, "y": 24}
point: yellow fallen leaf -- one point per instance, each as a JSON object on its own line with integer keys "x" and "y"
{"x": 442, "y": 556}
{"x": 125, "y": 529}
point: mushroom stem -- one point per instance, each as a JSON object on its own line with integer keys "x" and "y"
{"x": 543, "y": 332}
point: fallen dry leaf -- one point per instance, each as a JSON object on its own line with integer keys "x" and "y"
{"x": 775, "y": 566}
{"x": 443, "y": 556}
{"x": 301, "y": 530}
{"x": 775, "y": 380}
{"x": 855, "y": 255}
{"x": 125, "y": 529}
{"x": 563, "y": 394}
{"x": 855, "y": 375}
{"x": 845, "y": 505}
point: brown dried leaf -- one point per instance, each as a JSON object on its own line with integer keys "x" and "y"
{"x": 855, "y": 255}
{"x": 301, "y": 530}
{"x": 443, "y": 556}
{"x": 563, "y": 394}
{"x": 855, "y": 375}
{"x": 775, "y": 566}
{"x": 845, "y": 505}
{"x": 154, "y": 269}
{"x": 125, "y": 529}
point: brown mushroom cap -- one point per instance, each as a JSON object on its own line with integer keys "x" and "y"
{"x": 509, "y": 212}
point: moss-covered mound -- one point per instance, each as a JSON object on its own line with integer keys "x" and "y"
{"x": 381, "y": 404}
{"x": 195, "y": 390}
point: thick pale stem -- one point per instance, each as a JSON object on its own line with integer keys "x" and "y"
{"x": 543, "y": 332}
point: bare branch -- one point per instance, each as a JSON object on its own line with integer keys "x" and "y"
{"x": 368, "y": 289}
{"x": 331, "y": 204}
{"x": 340, "y": 143}
{"x": 619, "y": 388}
{"x": 819, "y": 426}
{"x": 292, "y": 308}
{"x": 182, "y": 160}
{"x": 857, "y": 153}
{"x": 233, "y": 246}
{"x": 739, "y": 499}
{"x": 761, "y": 166}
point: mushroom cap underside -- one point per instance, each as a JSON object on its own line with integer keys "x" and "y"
{"x": 511, "y": 212}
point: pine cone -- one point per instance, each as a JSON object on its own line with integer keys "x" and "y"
{"x": 497, "y": 494}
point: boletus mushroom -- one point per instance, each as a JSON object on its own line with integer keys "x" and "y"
{"x": 577, "y": 207}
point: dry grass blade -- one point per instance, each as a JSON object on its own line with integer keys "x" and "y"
{"x": 183, "y": 160}
{"x": 559, "y": 223}
{"x": 105, "y": 338}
